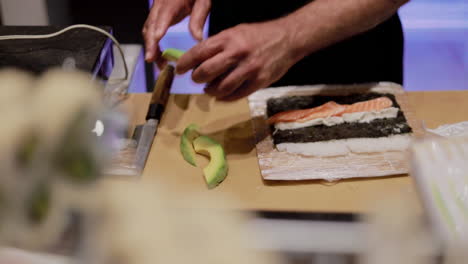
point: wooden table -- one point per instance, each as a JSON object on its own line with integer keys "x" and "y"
{"x": 230, "y": 124}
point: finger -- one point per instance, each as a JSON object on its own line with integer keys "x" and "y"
{"x": 198, "y": 54}
{"x": 200, "y": 11}
{"x": 226, "y": 86}
{"x": 160, "y": 61}
{"x": 155, "y": 28}
{"x": 247, "y": 88}
{"x": 150, "y": 44}
{"x": 213, "y": 68}
{"x": 212, "y": 86}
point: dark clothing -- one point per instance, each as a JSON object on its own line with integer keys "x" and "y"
{"x": 376, "y": 55}
{"x": 125, "y": 17}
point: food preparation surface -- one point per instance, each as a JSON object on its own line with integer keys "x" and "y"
{"x": 230, "y": 123}
{"x": 281, "y": 165}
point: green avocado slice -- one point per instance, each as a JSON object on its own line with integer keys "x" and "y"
{"x": 217, "y": 169}
{"x": 186, "y": 143}
{"x": 172, "y": 54}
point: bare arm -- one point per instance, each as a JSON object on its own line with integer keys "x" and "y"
{"x": 325, "y": 22}
{"x": 247, "y": 57}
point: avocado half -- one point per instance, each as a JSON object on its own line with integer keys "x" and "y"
{"x": 216, "y": 171}
{"x": 186, "y": 143}
{"x": 172, "y": 54}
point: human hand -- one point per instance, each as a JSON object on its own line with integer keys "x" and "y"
{"x": 240, "y": 60}
{"x": 166, "y": 13}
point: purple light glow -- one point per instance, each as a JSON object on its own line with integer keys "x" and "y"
{"x": 436, "y": 46}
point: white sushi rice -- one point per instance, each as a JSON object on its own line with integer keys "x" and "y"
{"x": 360, "y": 117}
{"x": 343, "y": 147}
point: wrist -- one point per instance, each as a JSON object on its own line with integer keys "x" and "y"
{"x": 295, "y": 37}
{"x": 280, "y": 32}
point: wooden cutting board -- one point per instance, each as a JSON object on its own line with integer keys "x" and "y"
{"x": 276, "y": 165}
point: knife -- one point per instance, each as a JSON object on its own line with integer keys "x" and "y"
{"x": 155, "y": 110}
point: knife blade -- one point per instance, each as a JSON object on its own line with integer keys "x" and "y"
{"x": 155, "y": 110}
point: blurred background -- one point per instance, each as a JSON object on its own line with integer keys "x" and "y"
{"x": 436, "y": 35}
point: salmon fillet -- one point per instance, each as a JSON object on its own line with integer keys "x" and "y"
{"x": 376, "y": 104}
{"x": 325, "y": 110}
{"x": 330, "y": 109}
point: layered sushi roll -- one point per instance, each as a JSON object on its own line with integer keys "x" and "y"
{"x": 338, "y": 125}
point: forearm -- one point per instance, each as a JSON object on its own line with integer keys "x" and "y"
{"x": 325, "y": 22}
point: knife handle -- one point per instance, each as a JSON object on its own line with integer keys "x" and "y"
{"x": 155, "y": 111}
{"x": 161, "y": 93}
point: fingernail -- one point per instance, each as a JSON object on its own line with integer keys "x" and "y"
{"x": 198, "y": 35}
{"x": 147, "y": 55}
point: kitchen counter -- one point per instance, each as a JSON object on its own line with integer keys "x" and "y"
{"x": 230, "y": 124}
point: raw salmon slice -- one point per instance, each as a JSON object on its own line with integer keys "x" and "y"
{"x": 376, "y": 104}
{"x": 330, "y": 109}
{"x": 303, "y": 115}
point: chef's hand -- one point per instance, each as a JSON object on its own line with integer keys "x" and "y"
{"x": 166, "y": 13}
{"x": 240, "y": 60}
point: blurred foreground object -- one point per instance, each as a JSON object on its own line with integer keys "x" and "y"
{"x": 52, "y": 201}
{"x": 45, "y": 142}
{"x": 400, "y": 232}
{"x": 144, "y": 223}
{"x": 440, "y": 168}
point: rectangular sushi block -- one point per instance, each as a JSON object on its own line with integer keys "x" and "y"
{"x": 347, "y": 145}
{"x": 374, "y": 131}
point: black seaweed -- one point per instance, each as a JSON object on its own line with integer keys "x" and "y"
{"x": 374, "y": 129}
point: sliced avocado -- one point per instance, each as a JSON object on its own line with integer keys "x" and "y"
{"x": 186, "y": 143}
{"x": 217, "y": 169}
{"x": 172, "y": 54}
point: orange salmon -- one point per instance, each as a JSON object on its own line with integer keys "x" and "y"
{"x": 376, "y": 104}
{"x": 325, "y": 110}
{"x": 330, "y": 109}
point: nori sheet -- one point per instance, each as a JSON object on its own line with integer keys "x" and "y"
{"x": 374, "y": 129}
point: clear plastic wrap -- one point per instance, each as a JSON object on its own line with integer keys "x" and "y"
{"x": 440, "y": 168}
{"x": 451, "y": 130}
